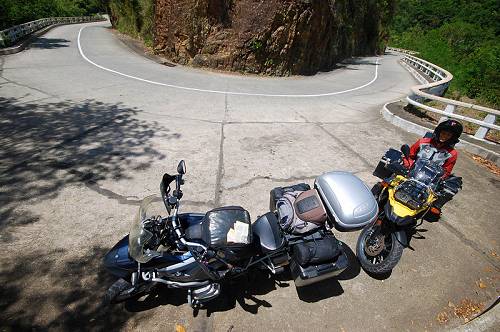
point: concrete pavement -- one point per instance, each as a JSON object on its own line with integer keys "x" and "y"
{"x": 95, "y": 142}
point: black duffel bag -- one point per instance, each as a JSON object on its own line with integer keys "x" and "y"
{"x": 316, "y": 250}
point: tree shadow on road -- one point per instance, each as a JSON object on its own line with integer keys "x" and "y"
{"x": 46, "y": 146}
{"x": 243, "y": 291}
{"x": 70, "y": 292}
{"x": 49, "y": 43}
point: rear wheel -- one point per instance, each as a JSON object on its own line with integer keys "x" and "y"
{"x": 378, "y": 252}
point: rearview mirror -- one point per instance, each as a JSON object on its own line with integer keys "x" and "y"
{"x": 181, "y": 168}
{"x": 406, "y": 150}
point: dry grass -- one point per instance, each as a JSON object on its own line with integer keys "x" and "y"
{"x": 486, "y": 163}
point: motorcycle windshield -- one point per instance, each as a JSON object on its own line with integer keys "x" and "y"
{"x": 426, "y": 172}
{"x": 139, "y": 236}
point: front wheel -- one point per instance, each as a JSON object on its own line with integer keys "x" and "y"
{"x": 378, "y": 252}
{"x": 123, "y": 290}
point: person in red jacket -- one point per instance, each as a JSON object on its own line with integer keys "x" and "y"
{"x": 439, "y": 148}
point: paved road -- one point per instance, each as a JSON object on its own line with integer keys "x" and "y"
{"x": 88, "y": 127}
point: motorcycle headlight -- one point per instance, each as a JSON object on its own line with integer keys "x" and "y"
{"x": 411, "y": 196}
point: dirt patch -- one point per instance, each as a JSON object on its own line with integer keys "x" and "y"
{"x": 493, "y": 168}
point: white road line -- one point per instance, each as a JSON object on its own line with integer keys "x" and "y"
{"x": 223, "y": 92}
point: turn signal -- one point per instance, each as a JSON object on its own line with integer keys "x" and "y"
{"x": 384, "y": 184}
{"x": 435, "y": 210}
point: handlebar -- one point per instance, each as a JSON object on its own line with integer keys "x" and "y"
{"x": 398, "y": 168}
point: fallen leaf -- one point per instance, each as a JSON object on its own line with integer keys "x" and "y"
{"x": 442, "y": 317}
{"x": 493, "y": 253}
{"x": 481, "y": 284}
{"x": 450, "y": 304}
{"x": 488, "y": 269}
{"x": 468, "y": 309}
{"x": 179, "y": 328}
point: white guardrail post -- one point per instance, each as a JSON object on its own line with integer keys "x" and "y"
{"x": 483, "y": 131}
{"x": 10, "y": 36}
{"x": 438, "y": 81}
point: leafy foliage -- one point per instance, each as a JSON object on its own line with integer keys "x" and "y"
{"x": 461, "y": 36}
{"x": 134, "y": 17}
{"x": 13, "y": 12}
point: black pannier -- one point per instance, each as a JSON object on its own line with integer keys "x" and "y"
{"x": 319, "y": 257}
{"x": 316, "y": 250}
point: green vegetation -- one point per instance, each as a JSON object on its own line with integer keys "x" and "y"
{"x": 461, "y": 36}
{"x": 255, "y": 45}
{"x": 134, "y": 17}
{"x": 13, "y": 12}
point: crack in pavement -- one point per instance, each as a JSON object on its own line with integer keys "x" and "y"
{"x": 347, "y": 147}
{"x": 30, "y": 101}
{"x": 38, "y": 154}
{"x": 258, "y": 122}
{"x": 128, "y": 200}
{"x": 470, "y": 243}
{"x": 247, "y": 183}
{"x": 220, "y": 168}
{"x": 290, "y": 179}
{"x": 27, "y": 86}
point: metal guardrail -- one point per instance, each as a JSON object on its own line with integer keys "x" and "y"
{"x": 10, "y": 36}
{"x": 440, "y": 80}
{"x": 400, "y": 50}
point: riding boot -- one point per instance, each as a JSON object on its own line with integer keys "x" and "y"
{"x": 377, "y": 189}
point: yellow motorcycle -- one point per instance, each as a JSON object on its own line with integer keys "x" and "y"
{"x": 404, "y": 196}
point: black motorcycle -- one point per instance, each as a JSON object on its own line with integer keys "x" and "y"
{"x": 197, "y": 252}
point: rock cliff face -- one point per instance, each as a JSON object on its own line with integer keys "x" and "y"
{"x": 276, "y": 37}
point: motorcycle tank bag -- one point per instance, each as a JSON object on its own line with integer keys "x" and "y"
{"x": 312, "y": 261}
{"x": 300, "y": 212}
{"x": 229, "y": 230}
{"x": 348, "y": 201}
{"x": 392, "y": 155}
{"x": 278, "y": 192}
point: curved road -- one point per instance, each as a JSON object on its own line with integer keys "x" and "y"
{"x": 88, "y": 127}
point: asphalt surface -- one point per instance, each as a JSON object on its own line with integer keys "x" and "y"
{"x": 88, "y": 127}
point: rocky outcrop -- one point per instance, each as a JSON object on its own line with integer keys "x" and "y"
{"x": 277, "y": 37}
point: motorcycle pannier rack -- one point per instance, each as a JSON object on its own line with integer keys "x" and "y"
{"x": 348, "y": 201}
{"x": 381, "y": 170}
